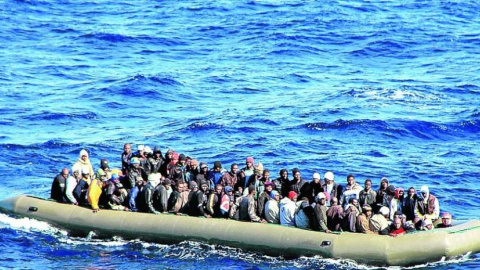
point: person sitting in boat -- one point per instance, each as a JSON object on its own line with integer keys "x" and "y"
{"x": 173, "y": 162}
{"x": 381, "y": 199}
{"x": 397, "y": 202}
{"x": 287, "y": 209}
{"x": 245, "y": 173}
{"x": 203, "y": 174}
{"x": 192, "y": 170}
{"x": 145, "y": 196}
{"x": 379, "y": 223}
{"x": 350, "y": 215}
{"x": 166, "y": 161}
{"x": 256, "y": 180}
{"x": 297, "y": 182}
{"x": 133, "y": 194}
{"x": 162, "y": 194}
{"x": 367, "y": 195}
{"x": 226, "y": 201}
{"x": 156, "y": 161}
{"x": 352, "y": 191}
{"x": 409, "y": 204}
{"x": 396, "y": 228}
{"x": 104, "y": 168}
{"x": 231, "y": 178}
{"x": 427, "y": 207}
{"x": 147, "y": 153}
{"x": 71, "y": 184}
{"x": 95, "y": 194}
{"x": 57, "y": 191}
{"x": 116, "y": 194}
{"x": 140, "y": 154}
{"x": 363, "y": 220}
{"x": 244, "y": 208}
{"x": 408, "y": 226}
{"x": 263, "y": 198}
{"x": 272, "y": 212}
{"x": 446, "y": 220}
{"x": 319, "y": 218}
{"x": 332, "y": 188}
{"x": 178, "y": 172}
{"x": 126, "y": 156}
{"x": 215, "y": 174}
{"x": 303, "y": 213}
{"x": 83, "y": 163}
{"x": 178, "y": 201}
{"x": 282, "y": 182}
{"x": 214, "y": 202}
{"x": 135, "y": 173}
{"x": 427, "y": 224}
{"x": 312, "y": 188}
{"x": 334, "y": 215}
{"x": 80, "y": 191}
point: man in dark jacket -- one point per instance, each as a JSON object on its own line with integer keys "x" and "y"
{"x": 231, "y": 178}
{"x": 410, "y": 203}
{"x": 263, "y": 199}
{"x": 297, "y": 183}
{"x": 282, "y": 183}
{"x": 198, "y": 200}
{"x": 179, "y": 171}
{"x": 126, "y": 156}
{"x": 145, "y": 197}
{"x": 57, "y": 192}
{"x": 155, "y": 162}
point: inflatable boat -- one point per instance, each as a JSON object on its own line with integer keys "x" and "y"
{"x": 275, "y": 240}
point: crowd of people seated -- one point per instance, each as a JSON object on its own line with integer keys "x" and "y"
{"x": 151, "y": 182}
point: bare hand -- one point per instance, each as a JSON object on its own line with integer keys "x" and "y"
{"x": 95, "y": 210}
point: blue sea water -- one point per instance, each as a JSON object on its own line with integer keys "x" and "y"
{"x": 370, "y": 88}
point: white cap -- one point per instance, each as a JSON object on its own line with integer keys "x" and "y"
{"x": 316, "y": 176}
{"x": 320, "y": 196}
{"x": 147, "y": 149}
{"x": 85, "y": 171}
{"x": 329, "y": 176}
{"x": 140, "y": 147}
{"x": 424, "y": 189}
{"x": 384, "y": 211}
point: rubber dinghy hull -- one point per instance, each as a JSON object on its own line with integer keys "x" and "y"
{"x": 269, "y": 239}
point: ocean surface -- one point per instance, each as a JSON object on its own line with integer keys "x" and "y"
{"x": 370, "y": 88}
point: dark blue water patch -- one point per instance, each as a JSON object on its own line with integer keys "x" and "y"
{"x": 45, "y": 115}
{"x": 202, "y": 126}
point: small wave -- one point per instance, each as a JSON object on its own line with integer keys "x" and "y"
{"x": 44, "y": 115}
{"x": 203, "y": 126}
{"x": 345, "y": 124}
{"x": 108, "y": 37}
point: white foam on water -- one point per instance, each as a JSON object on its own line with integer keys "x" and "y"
{"x": 28, "y": 224}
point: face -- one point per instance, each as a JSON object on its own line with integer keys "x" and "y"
{"x": 316, "y": 180}
{"x": 447, "y": 221}
{"x": 169, "y": 155}
{"x": 249, "y": 164}
{"x": 368, "y": 213}
{"x": 218, "y": 190}
{"x": 295, "y": 199}
{"x": 297, "y": 175}
{"x": 355, "y": 202}
{"x": 328, "y": 181}
{"x": 401, "y": 193}
{"x": 284, "y": 174}
{"x": 65, "y": 173}
{"x": 368, "y": 185}
{"x": 180, "y": 187}
{"x": 384, "y": 184}
{"x": 277, "y": 197}
{"x": 269, "y": 188}
{"x": 351, "y": 180}
{"x": 411, "y": 192}
{"x": 204, "y": 187}
{"x": 127, "y": 148}
{"x": 266, "y": 175}
{"x": 424, "y": 194}
{"x": 322, "y": 201}
{"x": 84, "y": 157}
{"x": 183, "y": 162}
{"x": 76, "y": 174}
{"x": 398, "y": 223}
{"x": 234, "y": 169}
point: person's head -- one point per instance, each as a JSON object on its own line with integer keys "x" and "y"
{"x": 76, "y": 173}
{"x": 85, "y": 173}
{"x": 135, "y": 162}
{"x": 249, "y": 162}
{"x": 104, "y": 164}
{"x": 234, "y": 168}
{"x": 399, "y": 193}
{"x": 217, "y": 166}
{"x": 258, "y": 170}
{"x": 425, "y": 191}
{"x": 296, "y": 174}
{"x": 383, "y": 183}
{"x": 180, "y": 186}
{"x": 447, "y": 219}
{"x": 218, "y": 189}
{"x": 157, "y": 152}
{"x": 397, "y": 223}
{"x": 316, "y": 178}
{"x": 168, "y": 184}
{"x": 193, "y": 164}
{"x": 321, "y": 198}
{"x": 127, "y": 148}
{"x": 284, "y": 173}
{"x": 229, "y": 190}
{"x": 169, "y": 154}
{"x": 384, "y": 211}
{"x": 334, "y": 201}
{"x": 203, "y": 167}
{"x": 140, "y": 149}
{"x": 368, "y": 184}
{"x": 329, "y": 178}
{"x": 427, "y": 224}
{"x": 147, "y": 151}
{"x": 390, "y": 192}
{"x": 367, "y": 210}
{"x": 251, "y": 190}
{"x": 193, "y": 186}
{"x": 84, "y": 155}
{"x": 275, "y": 195}
{"x": 268, "y": 186}
{"x": 350, "y": 180}
{"x": 292, "y": 195}
{"x": 65, "y": 172}
{"x": 266, "y": 174}
{"x": 354, "y": 202}
{"x": 182, "y": 159}
{"x": 411, "y": 192}
{"x": 204, "y": 186}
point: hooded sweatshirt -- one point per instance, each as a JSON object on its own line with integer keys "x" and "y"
{"x": 82, "y": 165}
{"x": 287, "y": 212}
